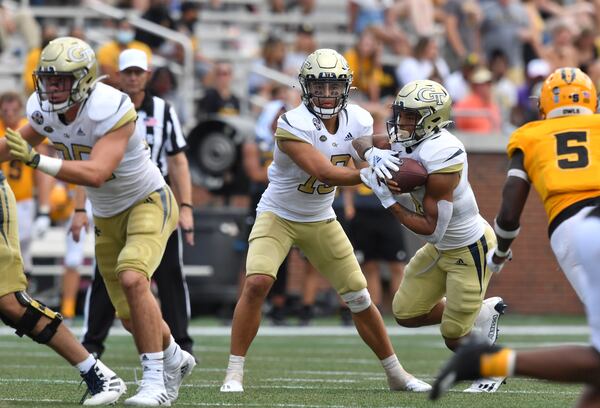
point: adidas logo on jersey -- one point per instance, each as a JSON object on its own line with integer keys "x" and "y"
{"x": 348, "y": 137}
{"x": 460, "y": 262}
{"x": 80, "y": 132}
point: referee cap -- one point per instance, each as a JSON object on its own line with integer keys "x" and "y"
{"x": 133, "y": 58}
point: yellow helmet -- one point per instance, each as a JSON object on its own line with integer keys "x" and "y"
{"x": 325, "y": 70}
{"x": 567, "y": 91}
{"x": 61, "y": 203}
{"x": 429, "y": 101}
{"x": 72, "y": 60}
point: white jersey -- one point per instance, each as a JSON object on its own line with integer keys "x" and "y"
{"x": 295, "y": 195}
{"x": 133, "y": 179}
{"x": 444, "y": 153}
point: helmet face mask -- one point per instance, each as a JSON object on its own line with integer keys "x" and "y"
{"x": 325, "y": 78}
{"x": 421, "y": 109}
{"x": 566, "y": 92}
{"x": 66, "y": 74}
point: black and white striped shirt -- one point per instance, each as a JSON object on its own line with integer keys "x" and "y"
{"x": 158, "y": 122}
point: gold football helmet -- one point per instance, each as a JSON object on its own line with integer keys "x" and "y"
{"x": 66, "y": 64}
{"x": 567, "y": 91}
{"x": 325, "y": 78}
{"x": 420, "y": 110}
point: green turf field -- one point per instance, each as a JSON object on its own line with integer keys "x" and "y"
{"x": 296, "y": 370}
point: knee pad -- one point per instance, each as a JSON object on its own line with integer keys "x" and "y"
{"x": 33, "y": 313}
{"x": 451, "y": 329}
{"x": 357, "y": 301}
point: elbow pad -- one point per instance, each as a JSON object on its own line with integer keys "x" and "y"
{"x": 444, "y": 214}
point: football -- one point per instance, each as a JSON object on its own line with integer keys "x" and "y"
{"x": 412, "y": 174}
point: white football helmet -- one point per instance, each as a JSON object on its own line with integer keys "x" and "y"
{"x": 70, "y": 62}
{"x": 325, "y": 78}
{"x": 428, "y": 102}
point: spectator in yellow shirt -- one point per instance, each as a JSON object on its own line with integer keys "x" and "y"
{"x": 108, "y": 54}
{"x": 49, "y": 33}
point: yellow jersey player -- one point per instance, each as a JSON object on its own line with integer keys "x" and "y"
{"x": 92, "y": 125}
{"x": 24, "y": 182}
{"x": 560, "y": 156}
{"x": 313, "y": 146}
{"x": 446, "y": 280}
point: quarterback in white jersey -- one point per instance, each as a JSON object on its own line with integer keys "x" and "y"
{"x": 92, "y": 125}
{"x": 445, "y": 282}
{"x": 313, "y": 149}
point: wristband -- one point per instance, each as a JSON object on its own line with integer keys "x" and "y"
{"x": 80, "y": 210}
{"x": 186, "y": 205}
{"x": 502, "y": 233}
{"x": 48, "y": 165}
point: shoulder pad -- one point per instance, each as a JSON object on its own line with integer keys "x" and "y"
{"x": 299, "y": 118}
{"x": 361, "y": 115}
{"x": 104, "y": 102}
{"x": 443, "y": 150}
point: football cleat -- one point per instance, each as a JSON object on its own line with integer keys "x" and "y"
{"x": 486, "y": 325}
{"x": 233, "y": 382}
{"x": 174, "y": 378}
{"x": 409, "y": 383}
{"x": 104, "y": 386}
{"x": 464, "y": 365}
{"x": 149, "y": 395}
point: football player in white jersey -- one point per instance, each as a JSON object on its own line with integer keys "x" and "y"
{"x": 446, "y": 280}
{"x": 92, "y": 125}
{"x": 313, "y": 148}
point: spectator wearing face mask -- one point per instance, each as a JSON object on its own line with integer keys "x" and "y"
{"x": 108, "y": 54}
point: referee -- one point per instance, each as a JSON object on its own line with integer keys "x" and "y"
{"x": 159, "y": 123}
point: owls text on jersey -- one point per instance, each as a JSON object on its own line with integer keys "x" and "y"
{"x": 444, "y": 153}
{"x": 105, "y": 109}
{"x": 295, "y": 195}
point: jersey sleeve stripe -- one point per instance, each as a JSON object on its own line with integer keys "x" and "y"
{"x": 282, "y": 134}
{"x": 129, "y": 116}
{"x": 450, "y": 169}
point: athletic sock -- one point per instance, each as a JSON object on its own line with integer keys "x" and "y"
{"x": 236, "y": 364}
{"x": 153, "y": 367}
{"x": 172, "y": 355}
{"x": 498, "y": 364}
{"x": 86, "y": 364}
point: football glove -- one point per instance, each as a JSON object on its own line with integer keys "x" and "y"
{"x": 41, "y": 225}
{"x": 20, "y": 149}
{"x": 382, "y": 160}
{"x": 497, "y": 267}
{"x": 370, "y": 179}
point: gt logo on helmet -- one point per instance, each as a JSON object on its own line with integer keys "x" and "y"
{"x": 431, "y": 95}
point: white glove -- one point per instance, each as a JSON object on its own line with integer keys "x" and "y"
{"x": 381, "y": 190}
{"x": 41, "y": 225}
{"x": 493, "y": 266}
{"x": 382, "y": 160}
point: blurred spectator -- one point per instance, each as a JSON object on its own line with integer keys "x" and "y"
{"x": 19, "y": 20}
{"x": 164, "y": 85}
{"x": 380, "y": 16}
{"x": 560, "y": 51}
{"x": 157, "y": 13}
{"x": 478, "y": 112}
{"x": 305, "y": 7}
{"x": 108, "y": 54}
{"x": 277, "y": 6}
{"x": 505, "y": 26}
{"x": 364, "y": 60}
{"x": 219, "y": 99}
{"x": 586, "y": 48}
{"x": 425, "y": 63}
{"x": 462, "y": 23}
{"x": 527, "y": 109}
{"x": 49, "y": 33}
{"x": 416, "y": 17}
{"x": 457, "y": 82}
{"x": 504, "y": 90}
{"x": 273, "y": 57}
{"x": 304, "y": 44}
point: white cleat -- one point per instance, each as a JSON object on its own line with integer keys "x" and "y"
{"x": 486, "y": 325}
{"x": 233, "y": 383}
{"x": 149, "y": 395}
{"x": 174, "y": 378}
{"x": 411, "y": 384}
{"x": 486, "y": 385}
{"x": 103, "y": 384}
